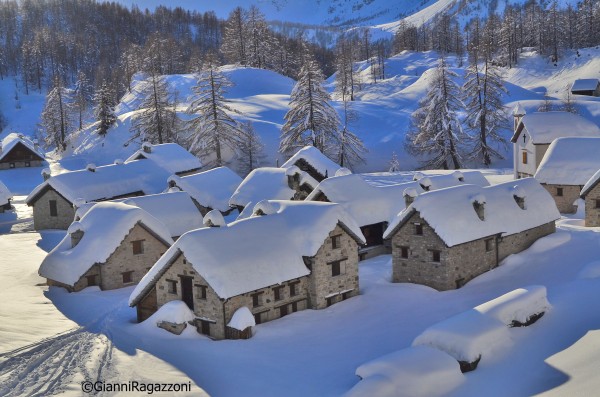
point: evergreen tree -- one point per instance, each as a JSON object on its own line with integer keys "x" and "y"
{"x": 82, "y": 96}
{"x": 154, "y": 120}
{"x": 311, "y": 120}
{"x": 435, "y": 129}
{"x": 483, "y": 89}
{"x": 235, "y": 42}
{"x": 350, "y": 148}
{"x": 251, "y": 149}
{"x": 394, "y": 163}
{"x": 568, "y": 102}
{"x": 104, "y": 109}
{"x": 55, "y": 121}
{"x": 212, "y": 129}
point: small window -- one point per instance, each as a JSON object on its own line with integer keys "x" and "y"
{"x": 258, "y": 318}
{"x": 172, "y": 286}
{"x": 201, "y": 291}
{"x": 91, "y": 280}
{"x": 277, "y": 292}
{"x": 27, "y": 164}
{"x": 524, "y": 157}
{"x": 404, "y": 252}
{"x": 597, "y": 202}
{"x": 257, "y": 299}
{"x": 559, "y": 191}
{"x": 53, "y": 208}
{"x": 336, "y": 241}
{"x": 418, "y": 229}
{"x": 338, "y": 267}
{"x": 294, "y": 307}
{"x": 489, "y": 244}
{"x": 138, "y": 247}
{"x": 329, "y": 301}
{"x": 293, "y": 289}
{"x": 205, "y": 327}
{"x": 127, "y": 277}
{"x": 283, "y": 311}
{"x": 12, "y": 165}
{"x": 435, "y": 255}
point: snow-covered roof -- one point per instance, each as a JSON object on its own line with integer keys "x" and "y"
{"x": 268, "y": 183}
{"x": 590, "y": 184}
{"x": 242, "y": 319}
{"x": 12, "y": 139}
{"x": 211, "y": 188}
{"x": 544, "y": 127}
{"x": 104, "y": 226}
{"x": 372, "y": 202}
{"x": 169, "y": 156}
{"x": 5, "y": 194}
{"x": 585, "y": 85}
{"x": 313, "y": 156}
{"x": 450, "y": 212}
{"x": 570, "y": 161}
{"x": 106, "y": 182}
{"x": 415, "y": 371}
{"x": 175, "y": 312}
{"x": 256, "y": 252}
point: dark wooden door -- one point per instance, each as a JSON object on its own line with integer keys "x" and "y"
{"x": 187, "y": 294}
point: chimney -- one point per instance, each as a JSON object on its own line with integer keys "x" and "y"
{"x": 264, "y": 207}
{"x": 519, "y": 196}
{"x": 76, "y": 233}
{"x": 459, "y": 176}
{"x": 409, "y": 195}
{"x": 91, "y": 167}
{"x": 147, "y": 147}
{"x": 214, "y": 218}
{"x": 518, "y": 113}
{"x": 118, "y": 162}
{"x": 46, "y": 174}
{"x": 479, "y": 206}
{"x": 425, "y": 183}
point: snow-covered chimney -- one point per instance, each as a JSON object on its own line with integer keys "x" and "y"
{"x": 91, "y": 167}
{"x": 118, "y": 162}
{"x": 479, "y": 206}
{"x": 46, "y": 173}
{"x": 409, "y": 195}
{"x": 425, "y": 183}
{"x": 214, "y": 218}
{"x": 459, "y": 176}
{"x": 417, "y": 176}
{"x": 518, "y": 113}
{"x": 264, "y": 207}
{"x": 519, "y": 196}
{"x": 343, "y": 171}
{"x": 78, "y": 202}
{"x": 76, "y": 233}
{"x": 147, "y": 147}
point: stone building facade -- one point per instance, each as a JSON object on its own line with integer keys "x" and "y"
{"x": 126, "y": 266}
{"x": 333, "y": 278}
{"x": 420, "y": 256}
{"x": 592, "y": 206}
{"x": 564, "y": 196}
{"x": 52, "y": 211}
{"x": 20, "y": 156}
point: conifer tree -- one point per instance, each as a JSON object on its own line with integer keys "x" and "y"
{"x": 350, "y": 148}
{"x": 394, "y": 163}
{"x": 82, "y": 96}
{"x": 104, "y": 109}
{"x": 251, "y": 149}
{"x": 55, "y": 121}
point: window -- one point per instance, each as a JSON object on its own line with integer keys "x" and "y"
{"x": 435, "y": 255}
{"x": 127, "y": 277}
{"x": 257, "y": 299}
{"x": 293, "y": 289}
{"x": 329, "y": 301}
{"x": 205, "y": 327}
{"x": 336, "y": 241}
{"x": 138, "y": 247}
{"x": 277, "y": 293}
{"x": 201, "y": 291}
{"x": 524, "y": 157}
{"x": 27, "y": 164}
{"x": 597, "y": 202}
{"x": 91, "y": 280}
{"x": 338, "y": 267}
{"x": 559, "y": 191}
{"x": 172, "y": 286}
{"x": 404, "y": 252}
{"x": 283, "y": 311}
{"x": 418, "y": 229}
{"x": 294, "y": 307}
{"x": 489, "y": 244}
{"x": 258, "y": 318}
{"x": 53, "y": 208}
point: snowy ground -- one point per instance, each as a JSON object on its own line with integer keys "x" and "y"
{"x": 52, "y": 340}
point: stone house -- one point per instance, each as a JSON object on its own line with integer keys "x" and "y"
{"x": 447, "y": 237}
{"x": 288, "y": 256}
{"x": 18, "y": 151}
{"x": 591, "y": 194}
{"x": 372, "y": 200}
{"x": 535, "y": 132}
{"x": 5, "y": 198}
{"x": 568, "y": 164}
{"x": 112, "y": 246}
{"x": 589, "y": 87}
{"x": 209, "y": 189}
{"x": 270, "y": 183}
{"x": 169, "y": 156}
{"x": 54, "y": 200}
{"x": 310, "y": 160}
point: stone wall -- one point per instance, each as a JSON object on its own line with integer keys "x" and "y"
{"x": 21, "y": 164}
{"x": 41, "y": 212}
{"x": 321, "y": 282}
{"x": 592, "y": 213}
{"x": 520, "y": 241}
{"x": 565, "y": 202}
{"x": 123, "y": 260}
{"x": 81, "y": 283}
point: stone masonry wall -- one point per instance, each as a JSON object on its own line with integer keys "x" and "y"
{"x": 520, "y": 241}
{"x": 81, "y": 283}
{"x": 123, "y": 260}
{"x": 321, "y": 283}
{"x": 21, "y": 164}
{"x": 565, "y": 202}
{"x": 41, "y": 212}
{"x": 592, "y": 214}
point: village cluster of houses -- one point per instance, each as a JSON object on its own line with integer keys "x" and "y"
{"x": 240, "y": 252}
